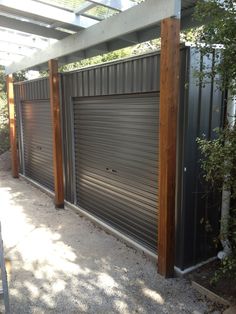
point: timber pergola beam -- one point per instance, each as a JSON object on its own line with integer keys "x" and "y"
{"x": 150, "y": 13}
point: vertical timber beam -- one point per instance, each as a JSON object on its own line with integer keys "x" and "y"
{"x": 57, "y": 136}
{"x": 12, "y": 126}
{"x": 169, "y": 101}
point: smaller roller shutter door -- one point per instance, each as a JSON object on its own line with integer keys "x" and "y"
{"x": 37, "y": 142}
{"x": 116, "y": 145}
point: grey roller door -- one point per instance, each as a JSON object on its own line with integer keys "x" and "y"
{"x": 116, "y": 166}
{"x": 37, "y": 142}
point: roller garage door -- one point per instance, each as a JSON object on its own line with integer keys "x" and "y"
{"x": 37, "y": 142}
{"x": 116, "y": 166}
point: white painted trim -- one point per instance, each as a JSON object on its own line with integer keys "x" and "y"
{"x": 181, "y": 273}
{"x": 42, "y": 11}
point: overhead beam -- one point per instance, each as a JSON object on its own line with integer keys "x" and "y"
{"x": 57, "y": 134}
{"x": 44, "y": 12}
{"x": 131, "y": 38}
{"x": 146, "y": 14}
{"x": 31, "y": 28}
{"x": 12, "y": 125}
{"x": 169, "y": 101}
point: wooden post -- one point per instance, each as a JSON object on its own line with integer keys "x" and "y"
{"x": 57, "y": 136}
{"x": 12, "y": 126}
{"x": 169, "y": 100}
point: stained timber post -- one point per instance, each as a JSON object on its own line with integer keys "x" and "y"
{"x": 169, "y": 101}
{"x": 12, "y": 126}
{"x": 57, "y": 134}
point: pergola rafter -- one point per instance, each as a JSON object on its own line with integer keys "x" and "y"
{"x": 120, "y": 5}
{"x": 46, "y": 13}
{"x": 119, "y": 25}
{"x": 31, "y": 28}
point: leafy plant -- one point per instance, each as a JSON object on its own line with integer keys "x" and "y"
{"x": 218, "y": 155}
{"x": 219, "y": 165}
{"x": 4, "y": 121}
{"x": 218, "y": 31}
{"x": 4, "y": 129}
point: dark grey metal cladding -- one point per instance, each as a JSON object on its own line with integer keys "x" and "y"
{"x": 37, "y": 89}
{"x": 133, "y": 75}
{"x": 203, "y": 112}
{"x": 37, "y": 142}
{"x": 116, "y": 166}
{"x": 32, "y": 90}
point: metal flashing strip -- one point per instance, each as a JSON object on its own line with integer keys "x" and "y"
{"x": 113, "y": 231}
{"x": 37, "y": 185}
{"x": 181, "y": 273}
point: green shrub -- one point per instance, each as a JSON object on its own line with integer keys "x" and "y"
{"x": 4, "y": 125}
{"x": 219, "y": 165}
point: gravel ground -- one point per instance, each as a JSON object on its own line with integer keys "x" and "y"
{"x": 63, "y": 263}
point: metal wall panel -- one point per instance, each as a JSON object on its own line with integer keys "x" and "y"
{"x": 133, "y": 75}
{"x": 200, "y": 111}
{"x": 37, "y": 142}
{"x": 34, "y": 128}
{"x": 197, "y": 202}
{"x": 116, "y": 166}
{"x": 32, "y": 90}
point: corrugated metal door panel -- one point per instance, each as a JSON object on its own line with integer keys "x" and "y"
{"x": 116, "y": 165}
{"x": 37, "y": 142}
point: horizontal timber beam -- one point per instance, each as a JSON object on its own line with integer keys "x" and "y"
{"x": 146, "y": 14}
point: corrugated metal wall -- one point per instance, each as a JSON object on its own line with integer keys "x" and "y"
{"x": 197, "y": 203}
{"x": 116, "y": 166}
{"x": 36, "y": 126}
{"x": 31, "y": 90}
{"x": 34, "y": 130}
{"x": 134, "y": 75}
{"x": 200, "y": 111}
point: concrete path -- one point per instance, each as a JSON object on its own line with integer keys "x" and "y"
{"x": 63, "y": 263}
